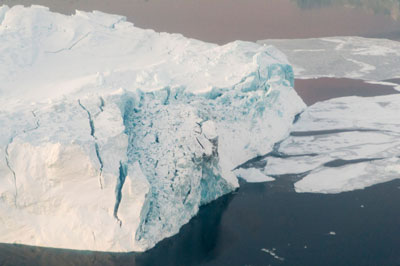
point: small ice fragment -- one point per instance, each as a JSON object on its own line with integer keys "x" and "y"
{"x": 272, "y": 253}
{"x": 253, "y": 175}
{"x": 332, "y": 233}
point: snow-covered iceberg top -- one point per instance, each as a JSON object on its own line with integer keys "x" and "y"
{"x": 342, "y": 57}
{"x": 113, "y": 136}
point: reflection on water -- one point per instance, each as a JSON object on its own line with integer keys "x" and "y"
{"x": 223, "y": 21}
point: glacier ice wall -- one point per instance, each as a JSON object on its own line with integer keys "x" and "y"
{"x": 113, "y": 136}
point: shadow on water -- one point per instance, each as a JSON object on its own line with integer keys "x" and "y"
{"x": 196, "y": 241}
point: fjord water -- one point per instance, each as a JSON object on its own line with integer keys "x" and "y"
{"x": 322, "y": 89}
{"x": 352, "y": 228}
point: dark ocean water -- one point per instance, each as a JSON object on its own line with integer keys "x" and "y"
{"x": 353, "y": 228}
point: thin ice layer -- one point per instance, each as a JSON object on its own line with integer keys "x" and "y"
{"x": 252, "y": 175}
{"x": 123, "y": 133}
{"x": 342, "y": 144}
{"x": 342, "y": 57}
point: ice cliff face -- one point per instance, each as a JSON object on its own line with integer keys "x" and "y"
{"x": 113, "y": 136}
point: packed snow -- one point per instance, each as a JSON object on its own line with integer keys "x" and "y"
{"x": 342, "y": 57}
{"x": 113, "y": 136}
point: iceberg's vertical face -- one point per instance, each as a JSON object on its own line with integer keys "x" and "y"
{"x": 123, "y": 133}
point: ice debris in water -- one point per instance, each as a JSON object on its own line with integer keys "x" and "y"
{"x": 341, "y": 145}
{"x": 342, "y": 57}
{"x": 252, "y": 175}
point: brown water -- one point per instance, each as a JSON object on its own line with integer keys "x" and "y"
{"x": 321, "y": 89}
{"x": 222, "y": 21}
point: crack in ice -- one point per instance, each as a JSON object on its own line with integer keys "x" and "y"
{"x": 71, "y": 46}
{"x": 123, "y": 172}
{"x": 7, "y": 157}
{"x": 7, "y": 154}
{"x": 96, "y": 145}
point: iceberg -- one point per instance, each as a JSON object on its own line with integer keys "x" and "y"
{"x": 342, "y": 57}
{"x": 113, "y": 136}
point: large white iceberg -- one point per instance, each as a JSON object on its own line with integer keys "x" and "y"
{"x": 113, "y": 136}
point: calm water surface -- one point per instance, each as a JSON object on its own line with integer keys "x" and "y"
{"x": 321, "y": 89}
{"x": 353, "y": 228}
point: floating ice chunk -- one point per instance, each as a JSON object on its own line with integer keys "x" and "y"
{"x": 342, "y": 57}
{"x": 349, "y": 177}
{"x": 252, "y": 175}
{"x": 272, "y": 253}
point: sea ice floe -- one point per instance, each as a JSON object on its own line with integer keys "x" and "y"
{"x": 341, "y": 145}
{"x": 252, "y": 175}
{"x": 342, "y": 57}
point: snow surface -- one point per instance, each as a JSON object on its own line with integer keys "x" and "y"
{"x": 342, "y": 57}
{"x": 341, "y": 145}
{"x": 113, "y": 136}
